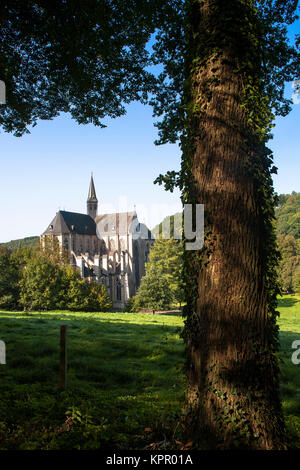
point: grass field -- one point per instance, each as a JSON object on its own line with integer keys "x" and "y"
{"x": 289, "y": 324}
{"x": 125, "y": 379}
{"x": 124, "y": 375}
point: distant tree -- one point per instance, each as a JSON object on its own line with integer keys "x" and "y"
{"x": 98, "y": 298}
{"x": 154, "y": 291}
{"x": 296, "y": 279}
{"x": 290, "y": 261}
{"x": 132, "y": 305}
{"x": 288, "y": 216}
{"x": 282, "y": 198}
{"x": 166, "y": 256}
{"x": 9, "y": 280}
{"x": 41, "y": 285}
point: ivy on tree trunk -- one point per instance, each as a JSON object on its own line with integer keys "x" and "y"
{"x": 230, "y": 328}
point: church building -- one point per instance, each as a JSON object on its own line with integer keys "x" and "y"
{"x": 109, "y": 248}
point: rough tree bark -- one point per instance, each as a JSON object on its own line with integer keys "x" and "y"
{"x": 233, "y": 399}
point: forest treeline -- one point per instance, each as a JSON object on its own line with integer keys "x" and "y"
{"x": 288, "y": 240}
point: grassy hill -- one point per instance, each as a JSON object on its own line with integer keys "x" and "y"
{"x": 21, "y": 243}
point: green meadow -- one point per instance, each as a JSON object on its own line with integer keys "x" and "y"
{"x": 289, "y": 324}
{"x": 125, "y": 385}
{"x": 124, "y": 376}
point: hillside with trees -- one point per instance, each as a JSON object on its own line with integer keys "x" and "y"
{"x": 288, "y": 241}
{"x": 21, "y": 243}
{"x": 288, "y": 215}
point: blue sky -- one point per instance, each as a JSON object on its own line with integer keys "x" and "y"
{"x": 50, "y": 169}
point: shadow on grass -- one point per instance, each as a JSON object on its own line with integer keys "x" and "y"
{"x": 288, "y": 302}
{"x": 289, "y": 374}
{"x": 121, "y": 378}
{"x": 101, "y": 353}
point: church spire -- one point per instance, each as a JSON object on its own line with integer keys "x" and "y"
{"x": 92, "y": 201}
{"x": 92, "y": 193}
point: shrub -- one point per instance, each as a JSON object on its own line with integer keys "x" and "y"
{"x": 132, "y": 305}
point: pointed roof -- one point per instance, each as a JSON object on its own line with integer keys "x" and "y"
{"x": 92, "y": 192}
{"x": 71, "y": 222}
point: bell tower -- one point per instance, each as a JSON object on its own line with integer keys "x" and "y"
{"x": 92, "y": 201}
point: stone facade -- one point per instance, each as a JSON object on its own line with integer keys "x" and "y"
{"x": 109, "y": 248}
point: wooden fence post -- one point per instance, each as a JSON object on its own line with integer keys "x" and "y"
{"x": 63, "y": 357}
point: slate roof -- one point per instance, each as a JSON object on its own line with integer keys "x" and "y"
{"x": 71, "y": 222}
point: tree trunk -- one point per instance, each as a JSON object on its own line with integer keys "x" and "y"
{"x": 230, "y": 331}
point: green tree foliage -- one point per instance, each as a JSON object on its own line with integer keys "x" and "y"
{"x": 50, "y": 248}
{"x": 132, "y": 305}
{"x": 290, "y": 262}
{"x": 282, "y": 198}
{"x": 9, "y": 280}
{"x": 288, "y": 215}
{"x": 41, "y": 285}
{"x": 162, "y": 285}
{"x": 166, "y": 256}
{"x": 296, "y": 279}
{"x": 82, "y": 295}
{"x": 89, "y": 59}
{"x": 47, "y": 285}
{"x": 41, "y": 279}
{"x": 288, "y": 240}
{"x": 154, "y": 291}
